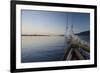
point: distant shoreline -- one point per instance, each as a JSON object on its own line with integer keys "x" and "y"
{"x": 42, "y": 35}
{"x": 81, "y": 33}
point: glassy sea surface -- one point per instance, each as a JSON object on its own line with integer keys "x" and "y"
{"x": 43, "y": 48}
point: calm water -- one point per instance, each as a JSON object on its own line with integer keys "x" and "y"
{"x": 85, "y": 38}
{"x": 42, "y": 48}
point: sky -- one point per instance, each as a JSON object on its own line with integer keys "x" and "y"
{"x": 52, "y": 22}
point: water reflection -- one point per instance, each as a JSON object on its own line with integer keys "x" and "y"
{"x": 42, "y": 48}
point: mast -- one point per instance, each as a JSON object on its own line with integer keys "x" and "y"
{"x": 72, "y": 32}
{"x": 69, "y": 28}
{"x": 66, "y": 33}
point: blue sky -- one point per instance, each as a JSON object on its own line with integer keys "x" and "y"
{"x": 51, "y": 22}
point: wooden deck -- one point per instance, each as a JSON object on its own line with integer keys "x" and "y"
{"x": 77, "y": 50}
